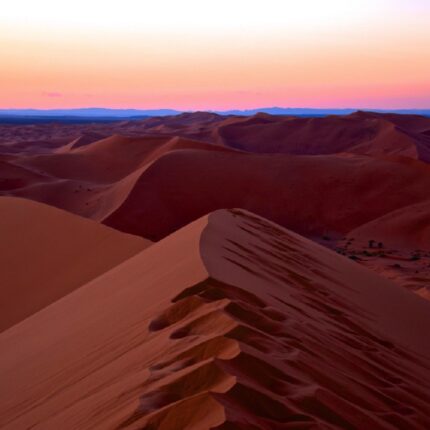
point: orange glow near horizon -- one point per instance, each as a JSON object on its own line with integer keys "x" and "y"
{"x": 368, "y": 54}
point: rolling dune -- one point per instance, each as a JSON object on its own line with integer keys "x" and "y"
{"x": 321, "y": 177}
{"x": 312, "y": 195}
{"x": 405, "y": 228}
{"x": 230, "y": 322}
{"x": 405, "y": 254}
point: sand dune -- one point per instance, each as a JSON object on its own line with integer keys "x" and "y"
{"x": 312, "y": 195}
{"x": 405, "y": 254}
{"x": 84, "y": 139}
{"x": 103, "y": 161}
{"x": 361, "y": 133}
{"x": 46, "y": 253}
{"x": 405, "y": 228}
{"x": 140, "y": 185}
{"x": 93, "y": 180}
{"x": 13, "y": 177}
{"x": 363, "y": 159}
{"x": 231, "y": 322}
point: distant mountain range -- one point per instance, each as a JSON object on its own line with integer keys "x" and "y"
{"x": 113, "y": 114}
{"x": 313, "y": 111}
{"x": 88, "y": 112}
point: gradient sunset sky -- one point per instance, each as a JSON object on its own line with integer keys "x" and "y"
{"x": 221, "y": 54}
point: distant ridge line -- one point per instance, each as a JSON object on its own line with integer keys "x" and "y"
{"x": 97, "y": 112}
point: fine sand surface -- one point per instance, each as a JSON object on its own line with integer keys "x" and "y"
{"x": 231, "y": 322}
{"x": 46, "y": 253}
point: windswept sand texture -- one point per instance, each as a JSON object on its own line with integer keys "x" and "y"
{"x": 230, "y": 323}
{"x": 46, "y": 253}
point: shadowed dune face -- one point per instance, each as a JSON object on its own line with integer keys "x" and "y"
{"x": 46, "y": 253}
{"x": 231, "y": 322}
{"x": 93, "y": 180}
{"x": 407, "y": 228}
{"x": 308, "y": 194}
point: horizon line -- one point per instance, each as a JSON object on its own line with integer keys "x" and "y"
{"x": 213, "y": 109}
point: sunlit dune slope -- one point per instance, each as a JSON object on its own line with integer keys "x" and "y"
{"x": 93, "y": 180}
{"x": 46, "y": 253}
{"x": 230, "y": 322}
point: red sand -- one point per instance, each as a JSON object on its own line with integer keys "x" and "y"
{"x": 360, "y": 133}
{"x": 408, "y": 227}
{"x": 231, "y": 322}
{"x": 358, "y": 168}
{"x": 317, "y": 176}
{"x": 46, "y": 253}
{"x": 404, "y": 253}
{"x": 312, "y": 195}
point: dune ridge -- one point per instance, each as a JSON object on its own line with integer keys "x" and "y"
{"x": 361, "y": 188}
{"x": 240, "y": 324}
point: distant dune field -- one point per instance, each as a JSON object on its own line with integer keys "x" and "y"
{"x": 203, "y": 271}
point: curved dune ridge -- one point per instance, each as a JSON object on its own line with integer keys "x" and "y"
{"x": 312, "y": 195}
{"x": 93, "y": 180}
{"x": 46, "y": 253}
{"x": 232, "y": 322}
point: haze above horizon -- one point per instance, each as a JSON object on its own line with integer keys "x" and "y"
{"x": 192, "y": 55}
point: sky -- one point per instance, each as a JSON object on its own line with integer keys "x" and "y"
{"x": 224, "y": 54}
